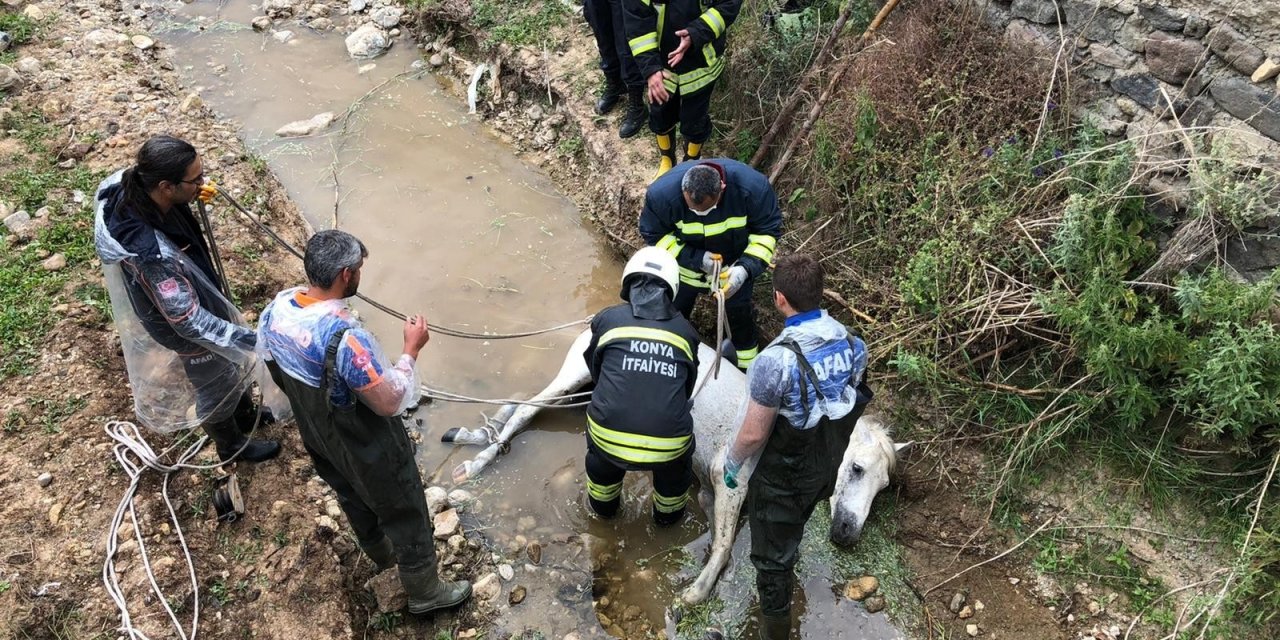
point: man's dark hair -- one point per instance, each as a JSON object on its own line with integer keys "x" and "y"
{"x": 328, "y": 253}
{"x": 162, "y": 158}
{"x": 702, "y": 183}
{"x": 799, "y": 277}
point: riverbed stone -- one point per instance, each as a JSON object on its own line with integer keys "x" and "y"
{"x": 486, "y": 588}
{"x": 261, "y": 23}
{"x": 104, "y": 38}
{"x": 9, "y": 78}
{"x": 1265, "y": 71}
{"x": 861, "y": 588}
{"x": 1162, "y": 17}
{"x": 1173, "y": 58}
{"x": 27, "y": 65}
{"x": 306, "y": 127}
{"x": 1141, "y": 87}
{"x": 279, "y": 8}
{"x": 143, "y": 41}
{"x": 446, "y": 524}
{"x": 18, "y": 223}
{"x": 437, "y": 500}
{"x": 55, "y": 262}
{"x": 283, "y": 37}
{"x": 45, "y": 479}
{"x": 1233, "y": 48}
{"x": 356, "y": 6}
{"x": 1038, "y": 11}
{"x": 1248, "y": 102}
{"x": 368, "y": 41}
{"x": 386, "y": 16}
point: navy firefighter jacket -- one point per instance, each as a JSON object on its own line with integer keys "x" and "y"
{"x": 744, "y": 227}
{"x": 644, "y": 371}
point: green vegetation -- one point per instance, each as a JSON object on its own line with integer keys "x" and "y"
{"x": 28, "y": 292}
{"x": 519, "y": 22}
{"x": 387, "y": 621}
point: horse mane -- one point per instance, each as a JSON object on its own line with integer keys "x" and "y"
{"x": 882, "y": 434}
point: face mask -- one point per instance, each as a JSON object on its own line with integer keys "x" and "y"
{"x": 703, "y": 213}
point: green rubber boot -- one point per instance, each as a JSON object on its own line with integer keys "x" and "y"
{"x": 428, "y": 593}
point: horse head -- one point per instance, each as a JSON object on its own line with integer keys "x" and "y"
{"x": 868, "y": 462}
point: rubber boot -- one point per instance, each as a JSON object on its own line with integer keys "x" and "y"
{"x": 692, "y": 151}
{"x": 382, "y": 554}
{"x": 666, "y": 147}
{"x": 230, "y": 441}
{"x": 775, "y": 627}
{"x": 610, "y": 95}
{"x": 635, "y": 117}
{"x": 427, "y": 592}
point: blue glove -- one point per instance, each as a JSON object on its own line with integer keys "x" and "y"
{"x": 731, "y": 470}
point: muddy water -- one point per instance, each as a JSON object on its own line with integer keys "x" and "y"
{"x": 460, "y": 229}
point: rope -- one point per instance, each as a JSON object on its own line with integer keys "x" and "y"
{"x": 223, "y": 283}
{"x": 550, "y": 402}
{"x": 135, "y": 455}
{"x": 448, "y": 331}
{"x": 722, "y": 328}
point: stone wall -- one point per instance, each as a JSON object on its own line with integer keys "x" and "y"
{"x": 1144, "y": 67}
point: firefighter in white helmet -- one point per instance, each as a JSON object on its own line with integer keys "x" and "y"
{"x": 643, "y": 358}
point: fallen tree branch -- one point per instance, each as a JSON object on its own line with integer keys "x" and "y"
{"x": 830, "y": 90}
{"x": 839, "y": 299}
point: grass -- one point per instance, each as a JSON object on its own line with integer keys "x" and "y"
{"x": 28, "y": 292}
{"x": 519, "y": 22}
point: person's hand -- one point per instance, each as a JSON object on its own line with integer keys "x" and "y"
{"x": 657, "y": 88}
{"x": 416, "y": 335}
{"x": 731, "y": 473}
{"x": 676, "y": 56}
{"x": 208, "y": 191}
{"x": 732, "y": 280}
{"x": 709, "y": 262}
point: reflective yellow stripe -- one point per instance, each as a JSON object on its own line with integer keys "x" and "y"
{"x": 637, "y": 448}
{"x": 717, "y": 228}
{"x": 671, "y": 244}
{"x": 698, "y": 281}
{"x": 647, "y": 333}
{"x": 604, "y": 492}
{"x": 699, "y": 78}
{"x": 761, "y": 247}
{"x": 747, "y": 356}
{"x": 664, "y": 504}
{"x": 641, "y": 44}
{"x": 714, "y": 20}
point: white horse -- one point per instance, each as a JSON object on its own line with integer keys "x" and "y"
{"x": 717, "y": 411}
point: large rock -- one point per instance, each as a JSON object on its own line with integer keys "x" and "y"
{"x": 27, "y": 65}
{"x": 1022, "y": 34}
{"x": 445, "y": 524}
{"x": 279, "y": 8}
{"x": 369, "y": 41}
{"x": 306, "y": 127}
{"x": 386, "y": 16}
{"x": 1111, "y": 56}
{"x": 1041, "y": 11}
{"x": 1092, "y": 20}
{"x": 388, "y": 591}
{"x": 104, "y": 38}
{"x": 437, "y": 500}
{"x": 1234, "y": 49}
{"x": 1142, "y": 87}
{"x": 9, "y": 78}
{"x": 18, "y": 223}
{"x": 1173, "y": 58}
{"x": 1254, "y": 105}
{"x": 1161, "y": 17}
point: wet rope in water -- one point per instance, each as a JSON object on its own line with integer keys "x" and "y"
{"x": 551, "y": 402}
{"x": 448, "y": 331}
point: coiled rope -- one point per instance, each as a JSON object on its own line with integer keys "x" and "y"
{"x": 135, "y": 455}
{"x": 448, "y": 331}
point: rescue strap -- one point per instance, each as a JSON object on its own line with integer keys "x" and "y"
{"x": 456, "y": 333}
{"x": 722, "y": 326}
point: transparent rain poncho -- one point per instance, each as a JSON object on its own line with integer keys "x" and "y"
{"x": 189, "y": 354}
{"x": 294, "y": 332}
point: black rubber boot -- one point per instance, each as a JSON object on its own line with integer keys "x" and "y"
{"x": 635, "y": 117}
{"x": 427, "y": 592}
{"x": 609, "y": 97}
{"x": 382, "y": 554}
{"x": 775, "y": 627}
{"x": 232, "y": 444}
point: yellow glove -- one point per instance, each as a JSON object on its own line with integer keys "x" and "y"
{"x": 208, "y": 191}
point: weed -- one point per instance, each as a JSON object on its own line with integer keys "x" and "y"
{"x": 387, "y": 621}
{"x": 5, "y": 585}
{"x": 220, "y": 592}
{"x": 570, "y": 146}
{"x": 519, "y": 22}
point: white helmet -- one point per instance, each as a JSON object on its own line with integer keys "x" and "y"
{"x": 654, "y": 261}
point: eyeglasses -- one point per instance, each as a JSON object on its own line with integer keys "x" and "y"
{"x": 199, "y": 180}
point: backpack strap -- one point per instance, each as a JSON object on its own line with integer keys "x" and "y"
{"x": 812, "y": 376}
{"x": 331, "y": 364}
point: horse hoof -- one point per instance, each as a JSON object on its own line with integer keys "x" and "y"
{"x": 713, "y": 634}
{"x": 460, "y": 473}
{"x": 691, "y": 596}
{"x": 450, "y": 436}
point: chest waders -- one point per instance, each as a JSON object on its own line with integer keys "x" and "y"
{"x": 796, "y": 471}
{"x": 368, "y": 461}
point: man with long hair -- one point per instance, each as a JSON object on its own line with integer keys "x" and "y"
{"x": 189, "y": 354}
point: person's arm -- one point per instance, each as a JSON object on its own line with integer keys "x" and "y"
{"x": 713, "y": 22}
{"x": 590, "y": 354}
{"x": 386, "y": 388}
{"x": 766, "y": 382}
{"x": 640, "y": 23}
{"x": 764, "y": 227}
{"x": 657, "y": 227}
{"x": 174, "y": 294}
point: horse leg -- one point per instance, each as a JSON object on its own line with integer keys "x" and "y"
{"x": 463, "y": 435}
{"x": 728, "y": 504}
{"x": 573, "y": 375}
